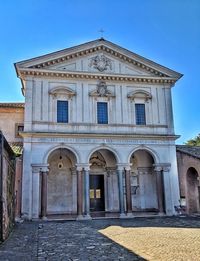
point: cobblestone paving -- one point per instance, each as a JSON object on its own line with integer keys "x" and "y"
{"x": 109, "y": 239}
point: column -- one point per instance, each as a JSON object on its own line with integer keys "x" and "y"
{"x": 128, "y": 190}
{"x": 120, "y": 171}
{"x": 169, "y": 206}
{"x": 44, "y": 194}
{"x": 87, "y": 192}
{"x": 36, "y": 191}
{"x": 79, "y": 193}
{"x": 159, "y": 187}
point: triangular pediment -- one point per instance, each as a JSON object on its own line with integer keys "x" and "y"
{"x": 99, "y": 56}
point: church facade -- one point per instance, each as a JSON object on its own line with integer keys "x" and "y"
{"x": 98, "y": 134}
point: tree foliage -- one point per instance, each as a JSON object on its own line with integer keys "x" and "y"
{"x": 194, "y": 142}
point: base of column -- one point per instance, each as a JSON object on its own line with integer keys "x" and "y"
{"x": 129, "y": 215}
{"x": 87, "y": 217}
{"x": 80, "y": 217}
{"x": 122, "y": 215}
{"x": 44, "y": 218}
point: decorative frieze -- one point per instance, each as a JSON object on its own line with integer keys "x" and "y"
{"x": 101, "y": 141}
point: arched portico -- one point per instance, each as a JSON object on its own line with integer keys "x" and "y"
{"x": 193, "y": 190}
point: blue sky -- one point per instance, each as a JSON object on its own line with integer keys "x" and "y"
{"x": 167, "y": 32}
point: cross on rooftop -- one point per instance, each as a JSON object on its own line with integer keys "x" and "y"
{"x": 101, "y": 31}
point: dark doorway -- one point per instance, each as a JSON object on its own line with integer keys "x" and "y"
{"x": 97, "y": 193}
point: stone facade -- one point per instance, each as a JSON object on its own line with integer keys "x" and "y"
{"x": 82, "y": 166}
{"x": 7, "y": 192}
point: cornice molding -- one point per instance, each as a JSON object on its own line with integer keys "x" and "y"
{"x": 126, "y": 136}
{"x": 27, "y": 72}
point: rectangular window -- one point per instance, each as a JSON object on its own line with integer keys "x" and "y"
{"x": 140, "y": 114}
{"x": 102, "y": 112}
{"x": 19, "y": 127}
{"x": 62, "y": 111}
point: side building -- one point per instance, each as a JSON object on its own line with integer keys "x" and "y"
{"x": 11, "y": 123}
{"x": 188, "y": 159}
{"x": 98, "y": 134}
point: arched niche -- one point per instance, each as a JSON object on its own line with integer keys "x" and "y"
{"x": 61, "y": 182}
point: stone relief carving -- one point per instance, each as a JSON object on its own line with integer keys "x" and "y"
{"x": 101, "y": 63}
{"x": 102, "y": 88}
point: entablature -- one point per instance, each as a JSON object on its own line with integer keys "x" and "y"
{"x": 97, "y": 76}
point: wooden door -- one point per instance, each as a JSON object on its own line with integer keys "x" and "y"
{"x": 97, "y": 201}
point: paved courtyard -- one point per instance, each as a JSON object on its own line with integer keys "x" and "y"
{"x": 109, "y": 239}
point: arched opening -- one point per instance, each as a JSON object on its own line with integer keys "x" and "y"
{"x": 143, "y": 182}
{"x": 61, "y": 182}
{"x": 103, "y": 182}
{"x": 193, "y": 190}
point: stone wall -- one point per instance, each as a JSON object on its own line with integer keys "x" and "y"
{"x": 7, "y": 179}
{"x": 189, "y": 188}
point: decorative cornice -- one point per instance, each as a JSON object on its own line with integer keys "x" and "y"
{"x": 104, "y": 49}
{"x": 96, "y": 76}
{"x": 12, "y": 104}
{"x": 135, "y": 136}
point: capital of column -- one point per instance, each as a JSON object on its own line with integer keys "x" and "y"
{"x": 165, "y": 167}
{"x": 128, "y": 166}
{"x": 79, "y": 167}
{"x": 37, "y": 168}
{"x": 122, "y": 166}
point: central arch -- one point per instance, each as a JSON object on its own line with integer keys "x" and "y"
{"x": 61, "y": 182}
{"x": 103, "y": 182}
